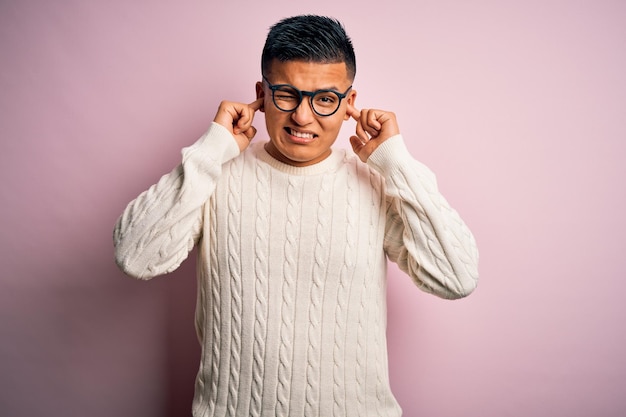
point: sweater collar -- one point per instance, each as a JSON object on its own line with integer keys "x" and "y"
{"x": 330, "y": 164}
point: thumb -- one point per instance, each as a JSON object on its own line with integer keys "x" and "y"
{"x": 357, "y": 145}
{"x": 250, "y": 133}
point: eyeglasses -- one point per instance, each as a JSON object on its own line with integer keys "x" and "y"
{"x": 287, "y": 98}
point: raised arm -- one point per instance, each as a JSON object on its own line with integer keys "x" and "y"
{"x": 424, "y": 235}
{"x": 158, "y": 229}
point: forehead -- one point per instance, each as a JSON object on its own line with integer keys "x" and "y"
{"x": 309, "y": 75}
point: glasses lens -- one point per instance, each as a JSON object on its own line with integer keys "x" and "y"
{"x": 325, "y": 102}
{"x": 287, "y": 98}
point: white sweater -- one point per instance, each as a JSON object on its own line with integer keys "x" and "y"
{"x": 291, "y": 311}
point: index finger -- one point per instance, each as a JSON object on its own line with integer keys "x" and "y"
{"x": 354, "y": 112}
{"x": 256, "y": 104}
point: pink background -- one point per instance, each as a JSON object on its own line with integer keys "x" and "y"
{"x": 519, "y": 107}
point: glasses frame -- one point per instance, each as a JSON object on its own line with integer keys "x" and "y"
{"x": 302, "y": 93}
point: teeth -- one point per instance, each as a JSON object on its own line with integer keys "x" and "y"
{"x": 302, "y": 135}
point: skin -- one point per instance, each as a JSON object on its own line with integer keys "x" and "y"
{"x": 302, "y": 138}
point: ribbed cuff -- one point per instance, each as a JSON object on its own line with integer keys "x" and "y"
{"x": 393, "y": 156}
{"x": 217, "y": 145}
{"x": 390, "y": 155}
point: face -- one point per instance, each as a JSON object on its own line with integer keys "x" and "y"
{"x": 302, "y": 137}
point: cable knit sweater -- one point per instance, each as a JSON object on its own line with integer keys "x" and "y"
{"x": 291, "y": 311}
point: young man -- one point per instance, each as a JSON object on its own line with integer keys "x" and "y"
{"x": 293, "y": 237}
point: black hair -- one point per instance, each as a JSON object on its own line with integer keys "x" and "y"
{"x": 309, "y": 38}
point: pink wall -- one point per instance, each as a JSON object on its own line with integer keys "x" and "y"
{"x": 518, "y": 106}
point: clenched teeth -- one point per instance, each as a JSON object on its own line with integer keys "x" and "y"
{"x": 302, "y": 135}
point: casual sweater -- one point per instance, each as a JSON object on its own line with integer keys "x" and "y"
{"x": 291, "y": 305}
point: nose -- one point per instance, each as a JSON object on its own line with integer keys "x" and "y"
{"x": 303, "y": 114}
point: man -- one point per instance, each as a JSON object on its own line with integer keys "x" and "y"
{"x": 293, "y": 237}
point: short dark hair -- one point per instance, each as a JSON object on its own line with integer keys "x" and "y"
{"x": 309, "y": 38}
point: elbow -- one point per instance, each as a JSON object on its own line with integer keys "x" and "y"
{"x": 131, "y": 269}
{"x": 463, "y": 288}
{"x": 129, "y": 260}
{"x": 452, "y": 292}
{"x": 463, "y": 282}
{"x": 461, "y": 278}
{"x": 132, "y": 262}
{"x": 145, "y": 265}
{"x": 132, "y": 266}
{"x": 450, "y": 286}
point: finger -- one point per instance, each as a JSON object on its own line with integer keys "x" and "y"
{"x": 368, "y": 123}
{"x": 373, "y": 122}
{"x": 245, "y": 116}
{"x": 357, "y": 146}
{"x": 241, "y": 124}
{"x": 356, "y": 143}
{"x": 354, "y": 112}
{"x": 250, "y": 133}
{"x": 364, "y": 129}
{"x": 256, "y": 104}
{"x": 360, "y": 133}
{"x": 373, "y": 118}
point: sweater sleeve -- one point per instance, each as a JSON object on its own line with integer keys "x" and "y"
{"x": 426, "y": 237}
{"x": 157, "y": 230}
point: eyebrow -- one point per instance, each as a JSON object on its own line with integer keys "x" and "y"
{"x": 330, "y": 88}
{"x": 333, "y": 87}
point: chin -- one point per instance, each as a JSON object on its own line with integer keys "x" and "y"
{"x": 302, "y": 156}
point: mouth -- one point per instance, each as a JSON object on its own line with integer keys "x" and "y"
{"x": 300, "y": 137}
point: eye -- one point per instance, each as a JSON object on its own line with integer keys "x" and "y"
{"x": 286, "y": 93}
{"x": 326, "y": 99}
{"x": 285, "y": 96}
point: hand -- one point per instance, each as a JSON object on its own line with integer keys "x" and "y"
{"x": 373, "y": 127}
{"x": 237, "y": 118}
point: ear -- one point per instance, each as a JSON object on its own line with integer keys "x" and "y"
{"x": 351, "y": 99}
{"x": 260, "y": 93}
